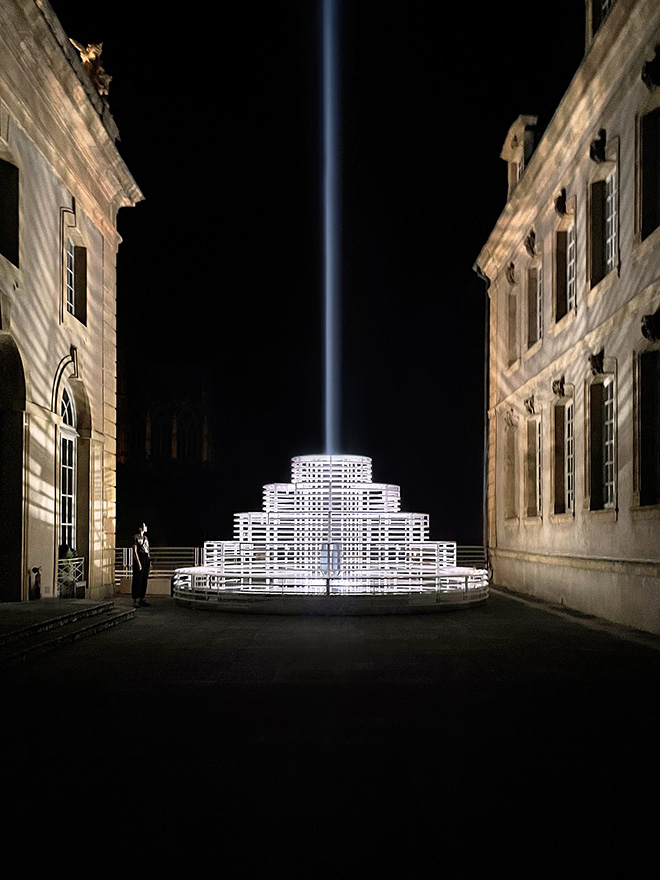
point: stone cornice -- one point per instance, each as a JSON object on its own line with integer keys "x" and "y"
{"x": 601, "y": 72}
{"x": 49, "y": 101}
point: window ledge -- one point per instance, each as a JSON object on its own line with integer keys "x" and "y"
{"x": 642, "y": 246}
{"x": 647, "y": 511}
{"x": 564, "y": 322}
{"x": 72, "y": 323}
{"x": 558, "y": 518}
{"x": 534, "y": 520}
{"x": 606, "y": 514}
{"x": 602, "y": 287}
{"x": 512, "y": 367}
{"x": 531, "y": 351}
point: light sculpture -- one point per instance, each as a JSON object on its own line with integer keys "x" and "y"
{"x": 333, "y": 536}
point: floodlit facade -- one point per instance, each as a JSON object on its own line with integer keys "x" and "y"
{"x": 573, "y": 274}
{"x": 62, "y": 182}
{"x": 331, "y": 532}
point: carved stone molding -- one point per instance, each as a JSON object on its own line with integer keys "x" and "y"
{"x": 481, "y": 274}
{"x": 511, "y": 273}
{"x": 597, "y": 148}
{"x": 560, "y": 203}
{"x": 651, "y": 326}
{"x": 529, "y": 405}
{"x": 90, "y": 56}
{"x": 510, "y": 419}
{"x": 530, "y": 243}
{"x": 558, "y": 387}
{"x": 651, "y": 71}
{"x": 596, "y": 362}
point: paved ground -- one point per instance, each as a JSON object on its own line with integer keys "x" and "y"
{"x": 251, "y": 715}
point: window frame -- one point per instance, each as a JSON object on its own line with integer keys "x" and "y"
{"x": 68, "y": 471}
{"x": 564, "y": 265}
{"x": 74, "y": 272}
{"x": 641, "y": 504}
{"x": 601, "y": 446}
{"x": 563, "y": 454}
{"x": 603, "y": 228}
{"x": 10, "y": 183}
{"x": 534, "y": 467}
{"x": 535, "y": 298}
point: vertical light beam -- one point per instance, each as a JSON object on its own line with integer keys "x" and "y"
{"x": 331, "y": 233}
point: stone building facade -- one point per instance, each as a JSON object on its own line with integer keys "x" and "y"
{"x": 573, "y": 274}
{"x": 62, "y": 182}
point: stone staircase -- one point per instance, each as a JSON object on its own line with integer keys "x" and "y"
{"x": 31, "y": 629}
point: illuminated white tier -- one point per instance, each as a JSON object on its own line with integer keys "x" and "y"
{"x": 331, "y": 531}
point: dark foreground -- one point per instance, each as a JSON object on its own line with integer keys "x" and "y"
{"x": 185, "y": 715}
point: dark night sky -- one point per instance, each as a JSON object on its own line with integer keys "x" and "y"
{"x": 221, "y": 264}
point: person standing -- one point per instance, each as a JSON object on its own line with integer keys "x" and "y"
{"x": 141, "y": 565}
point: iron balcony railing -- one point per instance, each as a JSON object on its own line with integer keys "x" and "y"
{"x": 71, "y": 582}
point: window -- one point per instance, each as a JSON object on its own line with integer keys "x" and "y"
{"x": 512, "y": 326}
{"x": 564, "y": 271}
{"x": 510, "y": 470}
{"x": 649, "y": 427}
{"x": 564, "y": 458}
{"x": 68, "y": 465}
{"x": 534, "y": 471}
{"x": 9, "y": 211}
{"x": 604, "y": 228}
{"x": 602, "y": 436}
{"x": 650, "y": 172}
{"x": 534, "y": 304}
{"x": 76, "y": 281}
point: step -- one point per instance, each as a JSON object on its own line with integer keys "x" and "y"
{"x": 22, "y": 619}
{"x": 37, "y": 643}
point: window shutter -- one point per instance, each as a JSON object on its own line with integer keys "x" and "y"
{"x": 80, "y": 282}
{"x": 650, "y": 161}
{"x": 560, "y": 504}
{"x": 598, "y": 199}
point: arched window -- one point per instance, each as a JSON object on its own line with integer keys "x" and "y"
{"x": 68, "y": 466}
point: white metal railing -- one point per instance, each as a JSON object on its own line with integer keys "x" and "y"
{"x": 164, "y": 561}
{"x": 71, "y": 583}
{"x": 471, "y": 556}
{"x": 329, "y": 531}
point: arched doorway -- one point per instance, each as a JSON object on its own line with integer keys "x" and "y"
{"x": 12, "y": 412}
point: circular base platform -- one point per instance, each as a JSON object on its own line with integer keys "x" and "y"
{"x": 264, "y": 603}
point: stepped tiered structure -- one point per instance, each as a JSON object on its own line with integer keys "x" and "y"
{"x": 331, "y": 532}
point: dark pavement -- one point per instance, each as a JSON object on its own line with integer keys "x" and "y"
{"x": 251, "y": 715}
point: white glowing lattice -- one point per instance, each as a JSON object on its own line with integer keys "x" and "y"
{"x": 330, "y": 531}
